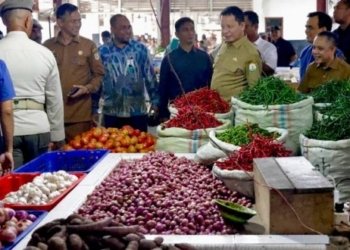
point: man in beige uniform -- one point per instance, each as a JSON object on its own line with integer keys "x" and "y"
{"x": 38, "y": 105}
{"x": 80, "y": 68}
{"x": 237, "y": 63}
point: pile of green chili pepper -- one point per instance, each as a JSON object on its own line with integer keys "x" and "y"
{"x": 242, "y": 134}
{"x": 335, "y": 124}
{"x": 329, "y": 92}
{"x": 270, "y": 91}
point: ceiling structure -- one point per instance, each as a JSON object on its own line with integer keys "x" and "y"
{"x": 112, "y": 6}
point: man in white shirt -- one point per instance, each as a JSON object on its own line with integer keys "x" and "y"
{"x": 38, "y": 105}
{"x": 267, "y": 50}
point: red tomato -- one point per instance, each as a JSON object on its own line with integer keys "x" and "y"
{"x": 97, "y": 132}
{"x": 125, "y": 142}
{"x": 133, "y": 140}
{"x": 103, "y": 138}
{"x": 137, "y": 132}
{"x": 76, "y": 144}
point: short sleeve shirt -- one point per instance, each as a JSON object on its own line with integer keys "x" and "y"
{"x": 236, "y": 66}
{"x": 316, "y": 75}
{"x": 7, "y": 91}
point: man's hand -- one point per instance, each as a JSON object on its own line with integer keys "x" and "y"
{"x": 6, "y": 163}
{"x": 82, "y": 90}
{"x": 95, "y": 120}
{"x": 153, "y": 111}
{"x": 56, "y": 145}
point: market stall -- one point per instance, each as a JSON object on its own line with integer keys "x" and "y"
{"x": 179, "y": 199}
{"x": 77, "y": 197}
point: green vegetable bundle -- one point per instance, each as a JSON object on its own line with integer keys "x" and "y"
{"x": 329, "y": 92}
{"x": 335, "y": 124}
{"x": 242, "y": 134}
{"x": 329, "y": 129}
{"x": 270, "y": 91}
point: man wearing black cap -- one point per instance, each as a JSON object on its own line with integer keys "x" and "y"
{"x": 38, "y": 105}
{"x": 285, "y": 51}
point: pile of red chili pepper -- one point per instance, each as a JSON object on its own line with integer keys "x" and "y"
{"x": 193, "y": 118}
{"x": 207, "y": 99}
{"x": 260, "y": 147}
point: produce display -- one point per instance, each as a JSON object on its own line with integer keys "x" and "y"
{"x": 123, "y": 140}
{"x": 335, "y": 124}
{"x": 329, "y": 91}
{"x": 193, "y": 118}
{"x": 206, "y": 99}
{"x": 12, "y": 223}
{"x": 259, "y": 147}
{"x": 270, "y": 91}
{"x": 163, "y": 194}
{"x": 43, "y": 189}
{"x": 242, "y": 134}
{"x": 77, "y": 232}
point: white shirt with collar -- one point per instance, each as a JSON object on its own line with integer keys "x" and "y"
{"x": 34, "y": 73}
{"x": 268, "y": 52}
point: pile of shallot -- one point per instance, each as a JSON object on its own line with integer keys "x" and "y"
{"x": 163, "y": 194}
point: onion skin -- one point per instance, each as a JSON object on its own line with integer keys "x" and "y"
{"x": 21, "y": 214}
{"x": 8, "y": 235}
{"x": 163, "y": 194}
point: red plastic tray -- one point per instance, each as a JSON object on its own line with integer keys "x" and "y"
{"x": 12, "y": 182}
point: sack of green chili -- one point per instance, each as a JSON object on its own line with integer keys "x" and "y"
{"x": 180, "y": 140}
{"x": 332, "y": 159}
{"x": 236, "y": 180}
{"x": 296, "y": 118}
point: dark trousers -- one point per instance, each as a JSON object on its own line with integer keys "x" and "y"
{"x": 77, "y": 128}
{"x": 28, "y": 147}
{"x": 137, "y": 122}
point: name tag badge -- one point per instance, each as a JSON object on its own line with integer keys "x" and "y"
{"x": 252, "y": 67}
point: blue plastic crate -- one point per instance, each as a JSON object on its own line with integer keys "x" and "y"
{"x": 70, "y": 161}
{"x": 39, "y": 216}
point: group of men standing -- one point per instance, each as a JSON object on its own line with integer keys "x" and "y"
{"x": 53, "y": 83}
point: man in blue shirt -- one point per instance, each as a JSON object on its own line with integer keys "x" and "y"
{"x": 316, "y": 23}
{"x": 128, "y": 70}
{"x": 7, "y": 93}
{"x": 184, "y": 69}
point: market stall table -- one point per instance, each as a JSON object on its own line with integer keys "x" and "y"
{"x": 77, "y": 197}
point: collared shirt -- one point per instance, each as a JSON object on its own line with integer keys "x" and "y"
{"x": 194, "y": 69}
{"x": 268, "y": 52}
{"x": 236, "y": 66}
{"x": 128, "y": 71}
{"x": 79, "y": 64}
{"x": 318, "y": 75}
{"x": 34, "y": 73}
{"x": 285, "y": 51}
{"x": 344, "y": 41}
{"x": 7, "y": 91}
{"x": 306, "y": 58}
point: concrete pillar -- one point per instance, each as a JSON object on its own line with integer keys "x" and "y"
{"x": 321, "y": 5}
{"x": 165, "y": 22}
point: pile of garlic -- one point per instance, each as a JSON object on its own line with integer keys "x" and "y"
{"x": 42, "y": 189}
